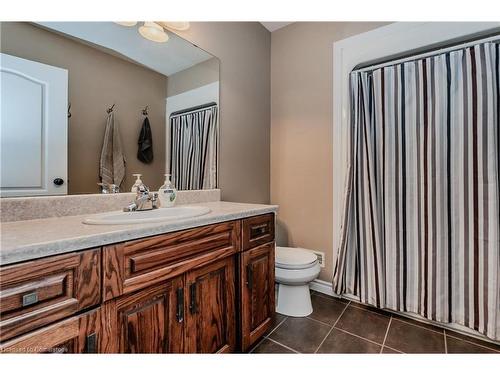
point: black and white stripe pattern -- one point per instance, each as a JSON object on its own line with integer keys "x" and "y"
{"x": 194, "y": 142}
{"x": 421, "y": 227}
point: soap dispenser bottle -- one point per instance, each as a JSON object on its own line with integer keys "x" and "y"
{"x": 137, "y": 182}
{"x": 167, "y": 193}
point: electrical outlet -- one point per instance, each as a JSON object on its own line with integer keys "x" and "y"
{"x": 321, "y": 258}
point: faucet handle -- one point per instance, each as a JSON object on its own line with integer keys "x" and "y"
{"x": 142, "y": 189}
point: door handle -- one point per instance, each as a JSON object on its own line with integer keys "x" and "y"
{"x": 180, "y": 305}
{"x": 192, "y": 298}
{"x": 58, "y": 181}
{"x": 249, "y": 276}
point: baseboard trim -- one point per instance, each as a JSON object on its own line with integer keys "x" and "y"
{"x": 326, "y": 287}
{"x": 322, "y": 286}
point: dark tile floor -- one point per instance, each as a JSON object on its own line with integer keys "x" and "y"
{"x": 341, "y": 326}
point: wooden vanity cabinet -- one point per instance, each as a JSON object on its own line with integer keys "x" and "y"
{"x": 202, "y": 290}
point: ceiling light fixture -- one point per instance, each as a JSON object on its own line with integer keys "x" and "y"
{"x": 154, "y": 32}
{"x": 127, "y": 23}
{"x": 181, "y": 26}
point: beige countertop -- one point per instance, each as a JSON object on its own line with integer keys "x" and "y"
{"x": 32, "y": 239}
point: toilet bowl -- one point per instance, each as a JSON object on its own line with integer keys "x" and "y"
{"x": 295, "y": 268}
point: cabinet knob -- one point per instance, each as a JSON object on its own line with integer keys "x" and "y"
{"x": 58, "y": 181}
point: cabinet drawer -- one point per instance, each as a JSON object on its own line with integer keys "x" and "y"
{"x": 257, "y": 230}
{"x": 35, "y": 293}
{"x": 77, "y": 334}
{"x": 129, "y": 266}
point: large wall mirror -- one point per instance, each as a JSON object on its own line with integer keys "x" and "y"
{"x": 86, "y": 105}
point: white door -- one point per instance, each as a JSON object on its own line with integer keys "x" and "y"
{"x": 33, "y": 128}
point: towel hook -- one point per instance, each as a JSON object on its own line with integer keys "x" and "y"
{"x": 145, "y": 111}
{"x": 69, "y": 109}
{"x": 110, "y": 109}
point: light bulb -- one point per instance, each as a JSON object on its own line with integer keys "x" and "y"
{"x": 154, "y": 32}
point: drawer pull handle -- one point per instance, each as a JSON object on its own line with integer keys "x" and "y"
{"x": 249, "y": 276}
{"x": 91, "y": 343}
{"x": 192, "y": 300}
{"x": 259, "y": 229}
{"x": 30, "y": 299}
{"x": 180, "y": 305}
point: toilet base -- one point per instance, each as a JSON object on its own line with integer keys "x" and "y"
{"x": 294, "y": 300}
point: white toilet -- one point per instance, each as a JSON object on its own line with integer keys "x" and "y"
{"x": 295, "y": 268}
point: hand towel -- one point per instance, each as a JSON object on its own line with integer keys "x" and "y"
{"x": 145, "y": 151}
{"x": 112, "y": 163}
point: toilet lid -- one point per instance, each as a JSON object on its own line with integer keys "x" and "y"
{"x": 294, "y": 258}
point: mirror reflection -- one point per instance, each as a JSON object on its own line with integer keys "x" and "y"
{"x": 88, "y": 106}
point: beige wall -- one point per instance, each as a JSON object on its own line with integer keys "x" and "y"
{"x": 97, "y": 80}
{"x": 301, "y": 131}
{"x": 191, "y": 78}
{"x": 244, "y": 50}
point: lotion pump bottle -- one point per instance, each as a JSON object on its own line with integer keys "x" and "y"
{"x": 167, "y": 193}
{"x": 137, "y": 182}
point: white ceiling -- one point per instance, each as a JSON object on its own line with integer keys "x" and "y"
{"x": 166, "y": 58}
{"x": 272, "y": 26}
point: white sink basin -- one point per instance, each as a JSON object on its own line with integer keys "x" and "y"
{"x": 151, "y": 216}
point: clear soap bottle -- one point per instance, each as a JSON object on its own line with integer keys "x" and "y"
{"x": 167, "y": 193}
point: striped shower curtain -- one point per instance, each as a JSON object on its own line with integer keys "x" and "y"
{"x": 194, "y": 142}
{"x": 421, "y": 216}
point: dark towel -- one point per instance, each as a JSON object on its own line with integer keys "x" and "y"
{"x": 145, "y": 151}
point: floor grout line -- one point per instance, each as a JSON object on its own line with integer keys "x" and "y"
{"x": 256, "y": 346}
{"x": 283, "y": 345}
{"x": 387, "y": 314}
{"x": 386, "y": 333}
{"x": 359, "y": 337}
{"x": 396, "y": 350}
{"x": 333, "y": 326}
{"x": 445, "y": 343}
{"x": 473, "y": 343}
{"x": 275, "y": 328}
{"x": 318, "y": 321}
{"x": 416, "y": 325}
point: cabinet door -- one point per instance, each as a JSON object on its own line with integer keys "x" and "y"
{"x": 78, "y": 334}
{"x": 148, "y": 321}
{"x": 211, "y": 317}
{"x": 257, "y": 293}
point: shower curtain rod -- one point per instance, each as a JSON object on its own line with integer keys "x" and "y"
{"x": 415, "y": 55}
{"x": 192, "y": 109}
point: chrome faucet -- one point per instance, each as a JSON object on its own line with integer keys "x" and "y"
{"x": 144, "y": 200}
